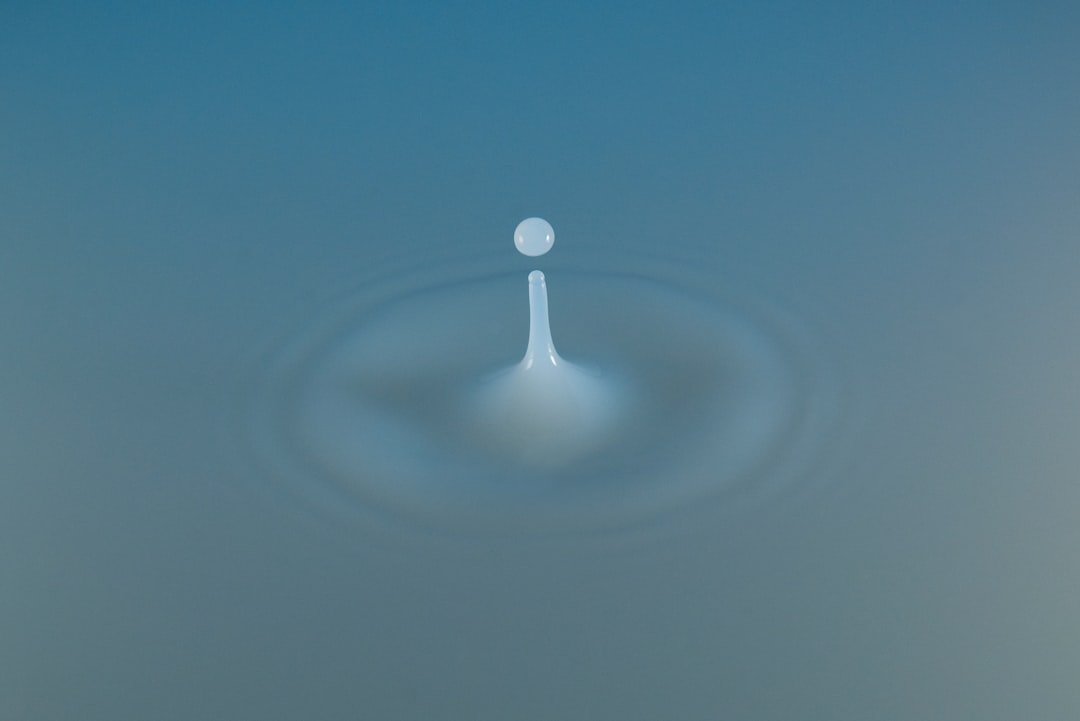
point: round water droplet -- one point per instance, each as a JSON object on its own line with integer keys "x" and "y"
{"x": 534, "y": 236}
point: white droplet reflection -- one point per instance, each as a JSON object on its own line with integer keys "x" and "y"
{"x": 534, "y": 236}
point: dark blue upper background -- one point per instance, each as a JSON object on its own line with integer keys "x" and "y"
{"x": 187, "y": 146}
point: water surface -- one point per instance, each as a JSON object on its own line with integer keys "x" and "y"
{"x": 182, "y": 195}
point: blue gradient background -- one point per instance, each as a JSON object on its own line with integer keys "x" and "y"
{"x": 176, "y": 181}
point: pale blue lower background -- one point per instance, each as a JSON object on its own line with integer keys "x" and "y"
{"x": 177, "y": 181}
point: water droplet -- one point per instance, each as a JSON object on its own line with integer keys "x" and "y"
{"x": 534, "y": 236}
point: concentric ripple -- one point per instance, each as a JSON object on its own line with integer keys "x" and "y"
{"x": 370, "y": 409}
